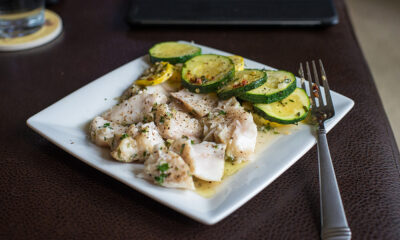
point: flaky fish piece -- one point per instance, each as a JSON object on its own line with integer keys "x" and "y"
{"x": 168, "y": 169}
{"x": 175, "y": 124}
{"x": 135, "y": 109}
{"x": 230, "y": 124}
{"x": 206, "y": 159}
{"x": 199, "y": 104}
{"x": 138, "y": 143}
{"x": 102, "y": 132}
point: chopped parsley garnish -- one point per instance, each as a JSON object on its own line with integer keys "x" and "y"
{"x": 160, "y": 179}
{"x": 185, "y": 137}
{"x": 182, "y": 147}
{"x": 230, "y": 159}
{"x": 266, "y": 128}
{"x": 163, "y": 167}
{"x": 215, "y": 146}
{"x": 191, "y": 141}
{"x": 162, "y": 119}
{"x": 144, "y": 130}
{"x": 154, "y": 108}
{"x": 106, "y": 125}
{"x": 192, "y": 113}
{"x": 168, "y": 142}
{"x": 124, "y": 136}
{"x": 222, "y": 112}
{"x": 144, "y": 153}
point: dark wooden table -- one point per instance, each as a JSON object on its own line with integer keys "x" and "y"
{"x": 48, "y": 194}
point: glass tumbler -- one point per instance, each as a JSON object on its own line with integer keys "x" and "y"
{"x": 20, "y": 17}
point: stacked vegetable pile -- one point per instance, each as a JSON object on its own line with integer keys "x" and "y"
{"x": 273, "y": 95}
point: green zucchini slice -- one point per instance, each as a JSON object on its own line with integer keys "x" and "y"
{"x": 173, "y": 52}
{"x": 278, "y": 86}
{"x": 207, "y": 73}
{"x": 291, "y": 109}
{"x": 243, "y": 81}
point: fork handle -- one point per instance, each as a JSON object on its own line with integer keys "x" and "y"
{"x": 334, "y": 224}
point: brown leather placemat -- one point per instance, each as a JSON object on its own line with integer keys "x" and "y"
{"x": 48, "y": 194}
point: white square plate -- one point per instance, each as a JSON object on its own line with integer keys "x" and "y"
{"x": 65, "y": 123}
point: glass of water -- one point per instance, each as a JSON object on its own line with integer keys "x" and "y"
{"x": 20, "y": 17}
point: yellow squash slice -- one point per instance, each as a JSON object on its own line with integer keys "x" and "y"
{"x": 177, "y": 75}
{"x": 260, "y": 121}
{"x": 238, "y": 61}
{"x": 156, "y": 74}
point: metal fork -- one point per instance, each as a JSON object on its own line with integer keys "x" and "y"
{"x": 333, "y": 218}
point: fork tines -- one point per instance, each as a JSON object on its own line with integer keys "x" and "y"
{"x": 314, "y": 89}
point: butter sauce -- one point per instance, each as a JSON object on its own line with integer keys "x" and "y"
{"x": 207, "y": 189}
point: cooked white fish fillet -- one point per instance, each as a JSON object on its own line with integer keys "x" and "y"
{"x": 231, "y": 102}
{"x": 206, "y": 160}
{"x": 102, "y": 132}
{"x": 125, "y": 150}
{"x": 147, "y": 139}
{"x": 175, "y": 124}
{"x": 243, "y": 140}
{"x": 200, "y": 104}
{"x": 232, "y": 125}
{"x": 178, "y": 145}
{"x": 134, "y": 109}
{"x": 144, "y": 139}
{"x": 168, "y": 169}
{"x": 164, "y": 88}
{"x": 177, "y": 105}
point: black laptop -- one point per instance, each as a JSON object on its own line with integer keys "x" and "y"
{"x": 233, "y": 12}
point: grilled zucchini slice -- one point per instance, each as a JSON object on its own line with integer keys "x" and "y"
{"x": 243, "y": 81}
{"x": 207, "y": 73}
{"x": 173, "y": 52}
{"x": 289, "y": 110}
{"x": 278, "y": 86}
